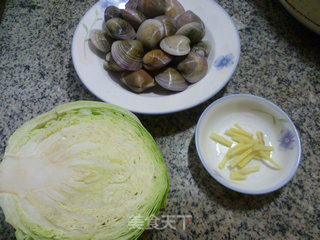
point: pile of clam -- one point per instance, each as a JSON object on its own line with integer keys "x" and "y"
{"x": 153, "y": 41}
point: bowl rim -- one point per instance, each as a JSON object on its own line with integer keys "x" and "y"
{"x": 304, "y": 19}
{"x": 236, "y": 62}
{"x": 224, "y": 183}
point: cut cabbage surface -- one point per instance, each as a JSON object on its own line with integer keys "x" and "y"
{"x": 85, "y": 170}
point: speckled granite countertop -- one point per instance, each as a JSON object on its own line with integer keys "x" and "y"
{"x": 280, "y": 61}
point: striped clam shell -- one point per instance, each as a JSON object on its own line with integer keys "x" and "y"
{"x": 128, "y": 54}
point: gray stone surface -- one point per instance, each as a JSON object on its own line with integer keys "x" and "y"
{"x": 280, "y": 60}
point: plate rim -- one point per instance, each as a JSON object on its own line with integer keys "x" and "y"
{"x": 235, "y": 65}
{"x": 276, "y": 187}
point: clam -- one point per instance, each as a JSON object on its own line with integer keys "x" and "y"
{"x": 133, "y": 16}
{"x": 187, "y": 17}
{"x": 128, "y": 54}
{"x": 177, "y": 45}
{"x": 156, "y": 59}
{"x": 110, "y": 65}
{"x": 195, "y": 31}
{"x": 174, "y": 8}
{"x": 99, "y": 41}
{"x": 138, "y": 81}
{"x": 111, "y": 12}
{"x": 152, "y": 8}
{"x": 150, "y": 33}
{"x": 118, "y": 28}
{"x": 172, "y": 80}
{"x": 169, "y": 24}
{"x": 203, "y": 48}
{"x": 132, "y": 4}
{"x": 193, "y": 68}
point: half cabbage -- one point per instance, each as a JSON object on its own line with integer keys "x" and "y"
{"x": 85, "y": 170}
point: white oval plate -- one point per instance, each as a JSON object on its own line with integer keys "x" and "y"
{"x": 223, "y": 59}
{"x": 253, "y": 114}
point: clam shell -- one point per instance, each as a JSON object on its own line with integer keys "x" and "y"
{"x": 100, "y": 41}
{"x": 133, "y": 16}
{"x": 187, "y": 17}
{"x": 174, "y": 8}
{"x": 120, "y": 29}
{"x": 111, "y": 12}
{"x": 110, "y": 65}
{"x": 195, "y": 31}
{"x": 152, "y": 8}
{"x": 203, "y": 48}
{"x": 138, "y": 81}
{"x": 156, "y": 59}
{"x": 170, "y": 27}
{"x": 128, "y": 54}
{"x": 177, "y": 45}
{"x": 172, "y": 80}
{"x": 150, "y": 33}
{"x": 132, "y": 4}
{"x": 193, "y": 68}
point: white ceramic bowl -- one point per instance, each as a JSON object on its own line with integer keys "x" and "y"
{"x": 306, "y": 11}
{"x": 253, "y": 114}
{"x": 222, "y": 61}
